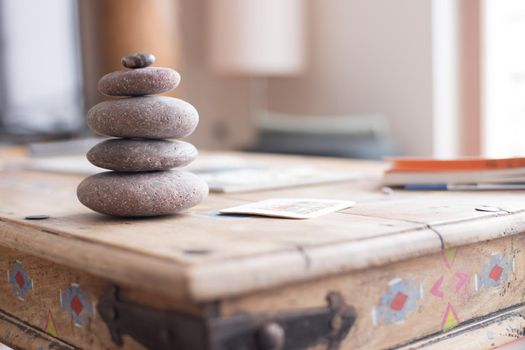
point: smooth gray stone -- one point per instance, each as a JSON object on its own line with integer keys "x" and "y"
{"x": 141, "y": 155}
{"x": 138, "y": 60}
{"x": 152, "y": 117}
{"x": 142, "y": 194}
{"x": 139, "y": 82}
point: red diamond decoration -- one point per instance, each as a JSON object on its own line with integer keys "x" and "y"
{"x": 399, "y": 301}
{"x": 19, "y": 280}
{"x": 76, "y": 305}
{"x": 495, "y": 273}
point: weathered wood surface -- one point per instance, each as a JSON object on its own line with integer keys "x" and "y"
{"x": 18, "y": 335}
{"x": 39, "y": 308}
{"x": 440, "y": 247}
{"x": 453, "y": 298}
{"x": 199, "y": 247}
{"x": 438, "y": 292}
{"x": 486, "y": 333}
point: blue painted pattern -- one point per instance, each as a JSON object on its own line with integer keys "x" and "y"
{"x": 19, "y": 279}
{"x": 77, "y": 304}
{"x": 496, "y": 271}
{"x": 398, "y": 302}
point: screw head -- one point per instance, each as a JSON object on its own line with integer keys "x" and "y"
{"x": 271, "y": 336}
{"x": 336, "y": 323}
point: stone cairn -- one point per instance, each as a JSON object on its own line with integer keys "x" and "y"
{"x": 141, "y": 182}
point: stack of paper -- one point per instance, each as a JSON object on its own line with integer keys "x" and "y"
{"x": 222, "y": 172}
{"x": 266, "y": 178}
{"x": 466, "y": 173}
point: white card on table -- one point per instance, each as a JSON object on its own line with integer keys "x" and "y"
{"x": 294, "y": 208}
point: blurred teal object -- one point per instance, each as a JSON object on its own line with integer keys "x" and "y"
{"x": 348, "y": 136}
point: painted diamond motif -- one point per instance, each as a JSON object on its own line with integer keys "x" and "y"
{"x": 399, "y": 301}
{"x": 19, "y": 279}
{"x": 496, "y": 272}
{"x": 76, "y": 302}
{"x": 76, "y": 305}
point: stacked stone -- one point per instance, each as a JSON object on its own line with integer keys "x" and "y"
{"x": 141, "y": 182}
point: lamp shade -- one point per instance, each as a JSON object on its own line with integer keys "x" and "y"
{"x": 257, "y": 37}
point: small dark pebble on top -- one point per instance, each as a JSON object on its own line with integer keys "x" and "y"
{"x": 138, "y": 60}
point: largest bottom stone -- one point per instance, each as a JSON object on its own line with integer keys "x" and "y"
{"x": 142, "y": 194}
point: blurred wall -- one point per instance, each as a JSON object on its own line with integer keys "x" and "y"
{"x": 367, "y": 56}
{"x": 364, "y": 56}
{"x": 223, "y": 101}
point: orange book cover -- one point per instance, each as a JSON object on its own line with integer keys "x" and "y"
{"x": 461, "y": 164}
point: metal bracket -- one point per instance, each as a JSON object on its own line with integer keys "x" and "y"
{"x": 290, "y": 330}
{"x": 152, "y": 328}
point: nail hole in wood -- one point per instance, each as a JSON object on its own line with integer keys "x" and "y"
{"x": 37, "y": 217}
{"x": 197, "y": 251}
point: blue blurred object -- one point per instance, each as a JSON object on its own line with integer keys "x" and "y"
{"x": 364, "y": 137}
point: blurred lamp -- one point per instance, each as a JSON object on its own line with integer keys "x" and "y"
{"x": 257, "y": 37}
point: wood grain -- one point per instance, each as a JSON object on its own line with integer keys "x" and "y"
{"x": 427, "y": 242}
{"x": 197, "y": 248}
{"x": 43, "y": 300}
{"x": 18, "y": 335}
{"x": 365, "y": 289}
{"x": 487, "y": 333}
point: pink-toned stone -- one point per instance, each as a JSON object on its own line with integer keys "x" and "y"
{"x": 141, "y": 194}
{"x": 127, "y": 155}
{"x": 154, "y": 117}
{"x": 139, "y": 82}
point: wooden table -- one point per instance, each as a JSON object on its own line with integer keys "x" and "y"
{"x": 431, "y": 270}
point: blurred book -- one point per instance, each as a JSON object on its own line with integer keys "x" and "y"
{"x": 468, "y": 171}
{"x": 265, "y": 178}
